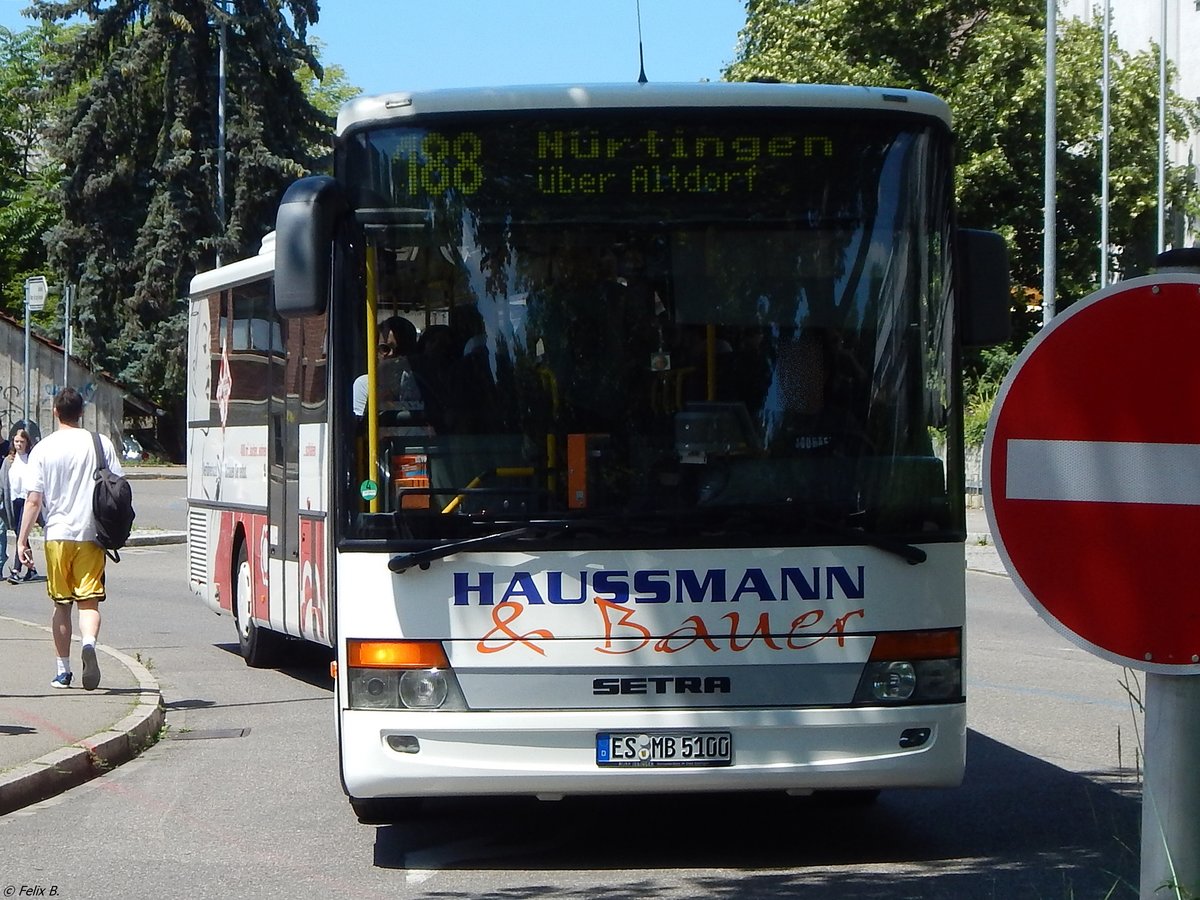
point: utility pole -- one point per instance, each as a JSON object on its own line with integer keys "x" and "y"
{"x": 68, "y": 296}
{"x": 1162, "y": 128}
{"x": 1104, "y": 145}
{"x": 222, "y": 38}
{"x": 1050, "y": 234}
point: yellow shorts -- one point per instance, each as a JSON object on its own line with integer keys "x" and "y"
{"x": 74, "y": 571}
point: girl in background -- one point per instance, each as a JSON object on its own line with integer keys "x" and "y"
{"x": 14, "y": 474}
{"x": 5, "y": 507}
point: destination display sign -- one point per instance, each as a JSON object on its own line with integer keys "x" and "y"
{"x": 595, "y": 161}
{"x": 558, "y": 161}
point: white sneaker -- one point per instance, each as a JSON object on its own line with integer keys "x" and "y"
{"x": 91, "y": 668}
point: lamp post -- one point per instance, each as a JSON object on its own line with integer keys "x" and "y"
{"x": 222, "y": 6}
{"x": 68, "y": 296}
{"x": 1104, "y": 143}
{"x": 35, "y": 301}
{"x": 1049, "y": 236}
{"x": 1162, "y": 127}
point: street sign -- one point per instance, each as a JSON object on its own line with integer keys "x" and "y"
{"x": 36, "y": 290}
{"x": 1092, "y": 473}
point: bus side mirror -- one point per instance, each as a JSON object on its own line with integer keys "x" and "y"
{"x": 984, "y": 288}
{"x": 304, "y": 226}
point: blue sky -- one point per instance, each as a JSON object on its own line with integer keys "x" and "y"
{"x": 415, "y": 44}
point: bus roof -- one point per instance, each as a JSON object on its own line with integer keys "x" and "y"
{"x": 236, "y": 273}
{"x": 405, "y": 104}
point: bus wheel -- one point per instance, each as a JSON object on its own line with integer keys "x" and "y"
{"x": 384, "y": 810}
{"x": 259, "y": 647}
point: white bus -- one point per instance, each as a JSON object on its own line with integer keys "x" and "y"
{"x": 668, "y": 495}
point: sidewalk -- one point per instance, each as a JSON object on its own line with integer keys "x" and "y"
{"x": 53, "y": 739}
{"x": 982, "y": 555}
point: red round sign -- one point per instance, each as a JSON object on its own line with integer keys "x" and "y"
{"x": 1092, "y": 473}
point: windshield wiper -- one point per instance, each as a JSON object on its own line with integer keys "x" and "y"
{"x": 907, "y": 552}
{"x": 549, "y": 527}
{"x": 911, "y": 554}
{"x": 771, "y": 517}
{"x": 423, "y": 558}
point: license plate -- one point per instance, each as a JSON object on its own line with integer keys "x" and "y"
{"x": 672, "y": 748}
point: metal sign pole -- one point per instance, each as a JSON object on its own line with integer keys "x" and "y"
{"x": 1170, "y": 865}
{"x": 1171, "y": 780}
{"x": 1076, "y": 568}
{"x": 1050, "y": 188}
{"x": 35, "y": 299}
{"x": 25, "y": 394}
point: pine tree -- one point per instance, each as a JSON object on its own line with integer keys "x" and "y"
{"x": 138, "y": 144}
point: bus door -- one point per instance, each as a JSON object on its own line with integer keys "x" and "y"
{"x": 283, "y": 436}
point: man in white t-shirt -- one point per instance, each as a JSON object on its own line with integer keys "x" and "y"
{"x": 61, "y": 486}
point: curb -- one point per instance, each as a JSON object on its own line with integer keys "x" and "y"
{"x": 136, "y": 538}
{"x": 91, "y": 757}
{"x": 151, "y": 538}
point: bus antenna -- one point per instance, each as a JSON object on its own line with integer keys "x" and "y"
{"x": 641, "y": 55}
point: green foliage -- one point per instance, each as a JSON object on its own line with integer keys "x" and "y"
{"x": 982, "y": 386}
{"x": 986, "y": 58}
{"x": 977, "y": 413}
{"x": 28, "y": 174}
{"x": 108, "y": 137}
{"x": 136, "y": 140}
{"x": 327, "y": 89}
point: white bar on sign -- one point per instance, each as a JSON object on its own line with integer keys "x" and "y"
{"x": 1104, "y": 472}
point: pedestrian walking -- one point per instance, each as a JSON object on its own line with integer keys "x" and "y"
{"x": 62, "y": 467}
{"x": 16, "y": 474}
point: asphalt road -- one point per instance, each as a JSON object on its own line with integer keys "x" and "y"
{"x": 160, "y": 503}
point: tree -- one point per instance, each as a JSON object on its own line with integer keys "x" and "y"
{"x": 986, "y": 58}
{"x": 327, "y": 89}
{"x": 138, "y": 144}
{"x": 28, "y": 173}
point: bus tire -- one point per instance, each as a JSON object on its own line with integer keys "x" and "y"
{"x": 259, "y": 646}
{"x": 384, "y": 810}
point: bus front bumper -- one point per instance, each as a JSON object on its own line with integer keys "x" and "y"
{"x": 445, "y": 754}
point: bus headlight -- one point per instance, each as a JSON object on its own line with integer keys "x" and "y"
{"x": 939, "y": 679}
{"x": 910, "y": 681}
{"x": 423, "y": 688}
{"x": 374, "y": 689}
{"x": 400, "y": 675}
{"x": 893, "y": 680}
{"x": 911, "y": 668}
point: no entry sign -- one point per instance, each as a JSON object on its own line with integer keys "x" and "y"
{"x": 1092, "y": 473}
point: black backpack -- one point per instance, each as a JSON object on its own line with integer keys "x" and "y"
{"x": 112, "y": 506}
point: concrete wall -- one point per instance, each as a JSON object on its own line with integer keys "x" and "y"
{"x": 105, "y": 401}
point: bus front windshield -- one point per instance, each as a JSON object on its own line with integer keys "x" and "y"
{"x": 684, "y": 326}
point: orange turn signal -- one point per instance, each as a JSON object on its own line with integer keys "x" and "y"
{"x": 917, "y": 644}
{"x": 396, "y": 655}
